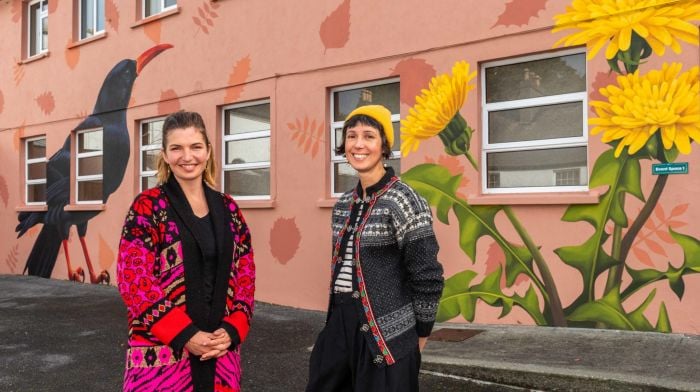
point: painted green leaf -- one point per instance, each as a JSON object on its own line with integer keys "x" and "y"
{"x": 609, "y": 311}
{"x": 458, "y": 298}
{"x": 674, "y": 275}
{"x": 620, "y": 176}
{"x": 663, "y": 324}
{"x": 438, "y": 187}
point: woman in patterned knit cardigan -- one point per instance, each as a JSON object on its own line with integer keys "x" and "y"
{"x": 385, "y": 278}
{"x": 185, "y": 271}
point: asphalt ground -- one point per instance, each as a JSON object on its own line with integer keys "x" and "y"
{"x": 64, "y": 336}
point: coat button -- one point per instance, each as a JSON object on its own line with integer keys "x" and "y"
{"x": 378, "y": 359}
{"x": 356, "y": 294}
{"x": 364, "y": 328}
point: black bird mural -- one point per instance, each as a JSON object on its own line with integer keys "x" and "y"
{"x": 109, "y": 115}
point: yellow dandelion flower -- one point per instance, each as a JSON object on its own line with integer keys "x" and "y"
{"x": 436, "y": 106}
{"x": 661, "y": 23}
{"x": 664, "y": 101}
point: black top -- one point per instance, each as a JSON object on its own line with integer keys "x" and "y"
{"x": 208, "y": 246}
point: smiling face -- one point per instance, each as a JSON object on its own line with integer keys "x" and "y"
{"x": 186, "y": 152}
{"x": 363, "y": 148}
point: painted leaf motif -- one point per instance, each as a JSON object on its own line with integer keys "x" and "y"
{"x": 308, "y": 135}
{"x": 663, "y": 324}
{"x": 691, "y": 264}
{"x": 152, "y": 31}
{"x": 53, "y": 5}
{"x": 609, "y": 311}
{"x": 679, "y": 209}
{"x": 659, "y": 212}
{"x": 602, "y": 80}
{"x": 106, "y": 254}
{"x": 238, "y": 76}
{"x": 676, "y": 224}
{"x": 415, "y": 75}
{"x": 438, "y": 187}
{"x": 4, "y": 191}
{"x": 335, "y": 29}
{"x": 665, "y": 237}
{"x": 643, "y": 256}
{"x": 655, "y": 247}
{"x": 519, "y": 12}
{"x": 46, "y": 102}
{"x": 112, "y": 14}
{"x": 285, "y": 238}
{"x": 12, "y": 258}
{"x": 169, "y": 102}
{"x": 16, "y": 10}
{"x": 459, "y": 298}
{"x": 17, "y": 71}
{"x": 72, "y": 54}
{"x": 620, "y": 175}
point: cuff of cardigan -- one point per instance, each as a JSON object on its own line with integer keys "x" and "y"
{"x": 424, "y": 328}
{"x": 170, "y": 325}
{"x": 180, "y": 340}
{"x": 240, "y": 321}
{"x": 233, "y": 334}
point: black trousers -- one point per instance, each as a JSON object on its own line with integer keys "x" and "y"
{"x": 341, "y": 359}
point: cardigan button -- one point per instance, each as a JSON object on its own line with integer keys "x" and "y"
{"x": 364, "y": 328}
{"x": 356, "y": 294}
{"x": 378, "y": 359}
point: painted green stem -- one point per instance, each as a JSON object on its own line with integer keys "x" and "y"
{"x": 615, "y": 272}
{"x": 556, "y": 310}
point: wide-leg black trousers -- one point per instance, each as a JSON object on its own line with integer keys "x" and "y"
{"x": 341, "y": 359}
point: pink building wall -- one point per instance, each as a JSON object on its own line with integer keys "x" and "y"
{"x": 293, "y": 54}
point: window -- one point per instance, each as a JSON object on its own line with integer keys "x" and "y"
{"x": 92, "y": 17}
{"x": 343, "y": 101}
{"x": 151, "y": 143}
{"x": 246, "y": 155}
{"x": 152, "y": 7}
{"x": 88, "y": 166}
{"x": 38, "y": 27}
{"x": 534, "y": 116}
{"x": 35, "y": 170}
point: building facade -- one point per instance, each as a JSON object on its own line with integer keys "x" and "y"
{"x": 561, "y": 181}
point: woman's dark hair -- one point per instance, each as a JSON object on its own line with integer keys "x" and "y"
{"x": 362, "y": 119}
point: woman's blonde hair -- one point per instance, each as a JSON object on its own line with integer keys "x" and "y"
{"x": 182, "y": 120}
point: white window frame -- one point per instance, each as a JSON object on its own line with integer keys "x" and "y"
{"x": 578, "y": 141}
{"x": 92, "y": 177}
{"x": 94, "y": 19}
{"x": 27, "y": 162}
{"x": 42, "y": 14}
{"x": 148, "y": 147}
{"x": 245, "y": 136}
{"x": 338, "y": 123}
{"x": 163, "y": 8}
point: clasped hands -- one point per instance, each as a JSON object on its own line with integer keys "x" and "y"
{"x": 209, "y": 345}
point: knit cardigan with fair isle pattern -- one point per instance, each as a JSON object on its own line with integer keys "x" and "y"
{"x": 399, "y": 279}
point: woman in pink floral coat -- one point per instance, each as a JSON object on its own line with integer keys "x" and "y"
{"x": 186, "y": 272}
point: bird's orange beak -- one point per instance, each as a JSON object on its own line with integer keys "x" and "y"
{"x": 148, "y": 55}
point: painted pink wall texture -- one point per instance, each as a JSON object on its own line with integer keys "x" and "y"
{"x": 227, "y": 52}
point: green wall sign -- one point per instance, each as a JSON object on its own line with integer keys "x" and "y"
{"x": 669, "y": 168}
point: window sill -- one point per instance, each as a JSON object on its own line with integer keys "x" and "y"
{"x": 156, "y": 17}
{"x": 32, "y": 208}
{"x": 590, "y": 197}
{"x": 326, "y": 203}
{"x": 84, "y": 207}
{"x": 250, "y": 204}
{"x": 34, "y": 58}
{"x": 87, "y": 40}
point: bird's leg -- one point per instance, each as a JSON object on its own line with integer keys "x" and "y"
{"x": 104, "y": 275}
{"x": 78, "y": 275}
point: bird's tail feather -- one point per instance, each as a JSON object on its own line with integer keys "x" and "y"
{"x": 27, "y": 220}
{"x": 44, "y": 252}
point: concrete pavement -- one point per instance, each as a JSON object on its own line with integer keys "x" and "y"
{"x": 63, "y": 336}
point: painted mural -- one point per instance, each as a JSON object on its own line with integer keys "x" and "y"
{"x": 644, "y": 115}
{"x": 109, "y": 115}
